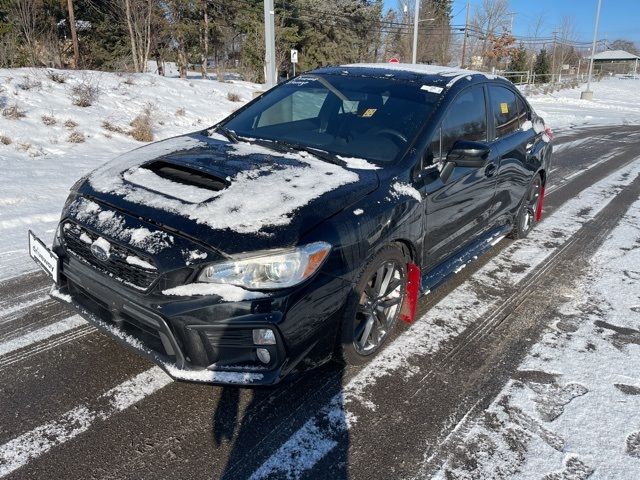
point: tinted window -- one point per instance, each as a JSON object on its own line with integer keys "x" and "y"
{"x": 300, "y": 105}
{"x": 365, "y": 117}
{"x": 466, "y": 119}
{"x": 505, "y": 111}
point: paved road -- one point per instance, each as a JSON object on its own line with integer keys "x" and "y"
{"x": 77, "y": 406}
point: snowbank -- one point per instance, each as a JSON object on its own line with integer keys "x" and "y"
{"x": 39, "y": 162}
{"x": 615, "y": 102}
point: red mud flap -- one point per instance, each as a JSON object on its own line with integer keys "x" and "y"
{"x": 408, "y": 312}
{"x": 538, "y": 214}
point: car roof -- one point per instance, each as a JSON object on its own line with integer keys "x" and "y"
{"x": 433, "y": 75}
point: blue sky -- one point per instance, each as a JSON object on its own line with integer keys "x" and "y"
{"x": 619, "y": 18}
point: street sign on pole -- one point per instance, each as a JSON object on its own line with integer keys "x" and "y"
{"x": 294, "y": 59}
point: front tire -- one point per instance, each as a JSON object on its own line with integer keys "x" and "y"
{"x": 526, "y": 218}
{"x": 373, "y": 307}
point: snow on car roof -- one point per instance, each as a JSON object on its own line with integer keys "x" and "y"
{"x": 432, "y": 70}
{"x": 417, "y": 68}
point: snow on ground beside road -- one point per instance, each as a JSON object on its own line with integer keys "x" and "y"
{"x": 615, "y": 102}
{"x": 41, "y": 162}
{"x": 573, "y": 413}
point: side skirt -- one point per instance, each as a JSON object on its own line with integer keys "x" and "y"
{"x": 442, "y": 272}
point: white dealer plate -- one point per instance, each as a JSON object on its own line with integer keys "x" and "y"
{"x": 44, "y": 257}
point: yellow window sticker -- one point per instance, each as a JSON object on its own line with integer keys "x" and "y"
{"x": 504, "y": 108}
{"x": 369, "y": 112}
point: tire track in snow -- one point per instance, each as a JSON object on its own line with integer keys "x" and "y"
{"x": 34, "y": 443}
{"x": 42, "y": 347}
{"x": 41, "y": 334}
{"x": 317, "y": 436}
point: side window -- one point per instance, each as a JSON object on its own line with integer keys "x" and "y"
{"x": 505, "y": 111}
{"x": 466, "y": 119}
{"x": 300, "y": 105}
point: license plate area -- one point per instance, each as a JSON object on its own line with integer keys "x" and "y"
{"x": 45, "y": 258}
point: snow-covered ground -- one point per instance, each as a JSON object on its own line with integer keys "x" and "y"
{"x": 578, "y": 415}
{"x": 615, "y": 102}
{"x": 39, "y": 162}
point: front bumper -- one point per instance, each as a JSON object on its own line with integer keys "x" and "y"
{"x": 201, "y": 339}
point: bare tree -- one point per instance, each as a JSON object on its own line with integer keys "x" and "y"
{"x": 137, "y": 15}
{"x": 564, "y": 51}
{"x": 26, "y": 15}
{"x": 74, "y": 34}
{"x": 489, "y": 20}
{"x": 204, "y": 38}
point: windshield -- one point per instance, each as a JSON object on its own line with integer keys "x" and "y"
{"x": 370, "y": 118}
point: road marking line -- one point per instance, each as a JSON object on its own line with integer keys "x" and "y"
{"x": 34, "y": 443}
{"x": 316, "y": 437}
{"x": 41, "y": 334}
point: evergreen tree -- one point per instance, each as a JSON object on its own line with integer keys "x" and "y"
{"x": 541, "y": 66}
{"x": 519, "y": 60}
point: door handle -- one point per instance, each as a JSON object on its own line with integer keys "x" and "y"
{"x": 490, "y": 170}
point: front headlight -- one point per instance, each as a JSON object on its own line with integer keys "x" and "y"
{"x": 280, "y": 269}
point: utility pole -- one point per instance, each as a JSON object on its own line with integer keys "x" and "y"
{"x": 464, "y": 40}
{"x": 270, "y": 73}
{"x": 553, "y": 57}
{"x": 588, "y": 94}
{"x": 414, "y": 53}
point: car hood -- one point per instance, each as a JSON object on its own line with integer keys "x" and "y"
{"x": 233, "y": 197}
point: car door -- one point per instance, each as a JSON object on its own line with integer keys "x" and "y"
{"x": 457, "y": 207}
{"x": 514, "y": 146}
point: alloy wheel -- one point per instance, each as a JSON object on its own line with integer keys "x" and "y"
{"x": 379, "y": 307}
{"x": 528, "y": 218}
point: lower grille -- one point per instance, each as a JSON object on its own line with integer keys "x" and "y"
{"x": 77, "y": 240}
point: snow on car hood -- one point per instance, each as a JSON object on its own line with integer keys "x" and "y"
{"x": 259, "y": 192}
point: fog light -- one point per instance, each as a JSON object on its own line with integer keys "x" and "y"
{"x": 264, "y": 336}
{"x": 263, "y": 355}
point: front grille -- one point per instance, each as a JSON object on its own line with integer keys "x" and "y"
{"x": 77, "y": 240}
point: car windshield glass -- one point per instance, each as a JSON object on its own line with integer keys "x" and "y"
{"x": 370, "y": 118}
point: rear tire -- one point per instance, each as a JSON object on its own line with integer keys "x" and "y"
{"x": 526, "y": 218}
{"x": 373, "y": 306}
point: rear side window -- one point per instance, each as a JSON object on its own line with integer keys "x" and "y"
{"x": 466, "y": 119}
{"x": 506, "y": 110}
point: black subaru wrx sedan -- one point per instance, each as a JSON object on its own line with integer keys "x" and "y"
{"x": 305, "y": 225}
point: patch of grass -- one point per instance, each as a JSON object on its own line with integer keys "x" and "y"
{"x": 70, "y": 124}
{"x": 13, "y": 112}
{"x": 112, "y": 127}
{"x": 4, "y": 140}
{"x": 234, "y": 97}
{"x": 181, "y": 112}
{"x": 49, "y": 120}
{"x": 28, "y": 83}
{"x": 76, "y": 137}
{"x": 85, "y": 93}
{"x": 56, "y": 76}
{"x": 142, "y": 125}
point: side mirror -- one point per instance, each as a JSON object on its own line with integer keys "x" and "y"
{"x": 468, "y": 154}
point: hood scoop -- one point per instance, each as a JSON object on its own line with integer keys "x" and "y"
{"x": 176, "y": 181}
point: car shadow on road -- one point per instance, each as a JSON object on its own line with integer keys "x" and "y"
{"x": 283, "y": 431}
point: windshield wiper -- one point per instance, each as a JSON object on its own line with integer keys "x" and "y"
{"x": 316, "y": 152}
{"x": 230, "y": 134}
